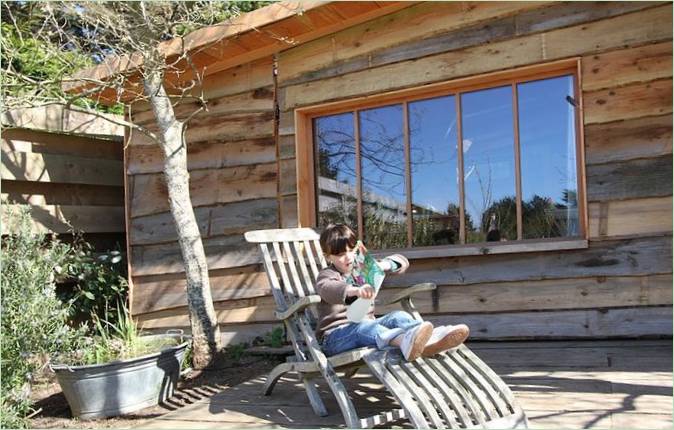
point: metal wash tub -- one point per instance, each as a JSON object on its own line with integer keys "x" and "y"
{"x": 121, "y": 387}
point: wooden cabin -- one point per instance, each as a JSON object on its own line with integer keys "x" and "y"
{"x": 67, "y": 168}
{"x": 545, "y": 127}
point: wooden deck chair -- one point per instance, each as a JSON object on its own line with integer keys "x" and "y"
{"x": 454, "y": 389}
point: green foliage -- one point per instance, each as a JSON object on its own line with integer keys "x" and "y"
{"x": 34, "y": 321}
{"x": 236, "y": 351}
{"x": 275, "y": 338}
{"x": 119, "y": 339}
{"x": 93, "y": 284}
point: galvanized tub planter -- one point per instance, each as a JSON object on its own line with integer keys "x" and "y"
{"x": 121, "y": 387}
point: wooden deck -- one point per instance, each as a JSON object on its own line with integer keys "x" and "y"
{"x": 565, "y": 384}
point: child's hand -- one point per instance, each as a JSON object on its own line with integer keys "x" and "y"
{"x": 364, "y": 292}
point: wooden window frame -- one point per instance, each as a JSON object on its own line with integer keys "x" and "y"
{"x": 306, "y": 154}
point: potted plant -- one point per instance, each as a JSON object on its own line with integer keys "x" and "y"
{"x": 121, "y": 370}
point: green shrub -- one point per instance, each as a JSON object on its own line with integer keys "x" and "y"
{"x": 275, "y": 338}
{"x": 34, "y": 320}
{"x": 93, "y": 284}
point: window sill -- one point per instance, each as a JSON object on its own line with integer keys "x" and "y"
{"x": 513, "y": 247}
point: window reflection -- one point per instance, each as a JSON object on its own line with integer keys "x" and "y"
{"x": 337, "y": 198}
{"x": 433, "y": 161}
{"x": 383, "y": 177}
{"x": 548, "y": 154}
{"x": 547, "y": 144}
{"x": 489, "y": 165}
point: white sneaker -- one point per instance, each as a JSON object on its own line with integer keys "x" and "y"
{"x": 444, "y": 338}
{"x": 438, "y": 333}
{"x": 415, "y": 339}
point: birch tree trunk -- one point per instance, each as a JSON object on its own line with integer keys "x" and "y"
{"x": 203, "y": 321}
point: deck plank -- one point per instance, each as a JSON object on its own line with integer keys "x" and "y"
{"x": 623, "y": 384}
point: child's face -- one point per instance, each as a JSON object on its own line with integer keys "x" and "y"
{"x": 344, "y": 261}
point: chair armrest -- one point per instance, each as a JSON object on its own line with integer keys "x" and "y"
{"x": 407, "y": 292}
{"x": 298, "y": 306}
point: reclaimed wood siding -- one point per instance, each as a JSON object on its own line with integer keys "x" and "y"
{"x": 68, "y": 181}
{"x": 620, "y": 286}
{"x": 233, "y": 186}
{"x": 625, "y": 276}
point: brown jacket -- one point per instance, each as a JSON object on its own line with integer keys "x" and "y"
{"x": 331, "y": 286}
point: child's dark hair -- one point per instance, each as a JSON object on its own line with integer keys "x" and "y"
{"x": 335, "y": 239}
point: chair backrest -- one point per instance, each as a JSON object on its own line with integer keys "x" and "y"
{"x": 292, "y": 259}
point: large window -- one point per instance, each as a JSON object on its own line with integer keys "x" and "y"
{"x": 494, "y": 161}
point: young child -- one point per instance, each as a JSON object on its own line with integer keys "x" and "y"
{"x": 399, "y": 329}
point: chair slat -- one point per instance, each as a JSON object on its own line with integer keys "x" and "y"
{"x": 312, "y": 260}
{"x": 476, "y": 392}
{"x": 319, "y": 254}
{"x": 489, "y": 374}
{"x": 276, "y": 290}
{"x": 484, "y": 384}
{"x": 419, "y": 395}
{"x": 297, "y": 283}
{"x": 287, "y": 286}
{"x": 304, "y": 270}
{"x": 375, "y": 362}
{"x": 429, "y": 388}
{"x": 382, "y": 418}
{"x": 447, "y": 387}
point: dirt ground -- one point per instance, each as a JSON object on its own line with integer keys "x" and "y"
{"x": 226, "y": 372}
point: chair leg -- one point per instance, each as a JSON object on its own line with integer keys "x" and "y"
{"x": 314, "y": 397}
{"x": 275, "y": 375}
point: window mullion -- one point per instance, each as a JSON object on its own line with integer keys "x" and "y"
{"x": 359, "y": 177}
{"x": 518, "y": 167}
{"x": 408, "y": 172}
{"x": 462, "y": 207}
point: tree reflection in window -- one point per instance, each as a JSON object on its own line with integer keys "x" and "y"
{"x": 548, "y": 153}
{"x": 337, "y": 199}
{"x": 548, "y": 169}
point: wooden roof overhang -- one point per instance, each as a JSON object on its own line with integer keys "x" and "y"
{"x": 249, "y": 37}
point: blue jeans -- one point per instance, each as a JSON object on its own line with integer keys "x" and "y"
{"x": 378, "y": 332}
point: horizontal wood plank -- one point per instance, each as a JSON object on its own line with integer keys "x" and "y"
{"x": 596, "y": 37}
{"x": 631, "y": 101}
{"x": 631, "y": 217}
{"x": 617, "y": 322}
{"x": 207, "y": 187}
{"x": 630, "y": 139}
{"x": 648, "y": 177}
{"x": 289, "y": 211}
{"x": 57, "y": 119}
{"x": 583, "y": 293}
{"x": 287, "y": 146}
{"x": 627, "y": 257}
{"x": 244, "y": 126}
{"x": 288, "y": 176}
{"x": 203, "y": 155}
{"x": 228, "y": 219}
{"x": 579, "y": 293}
{"x": 621, "y": 322}
{"x": 419, "y": 22}
{"x": 153, "y": 293}
{"x": 68, "y": 169}
{"x": 627, "y": 66}
{"x": 432, "y": 28}
{"x": 257, "y": 100}
{"x": 221, "y": 252}
{"x": 63, "y": 218}
{"x": 49, "y": 193}
{"x": 26, "y": 140}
